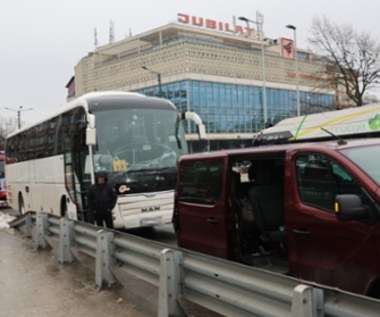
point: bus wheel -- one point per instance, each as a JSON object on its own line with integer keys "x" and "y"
{"x": 63, "y": 207}
{"x": 21, "y": 205}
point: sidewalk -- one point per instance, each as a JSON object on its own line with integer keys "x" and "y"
{"x": 34, "y": 284}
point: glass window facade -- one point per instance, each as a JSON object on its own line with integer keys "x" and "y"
{"x": 235, "y": 108}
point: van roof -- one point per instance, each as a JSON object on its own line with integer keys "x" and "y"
{"x": 282, "y": 148}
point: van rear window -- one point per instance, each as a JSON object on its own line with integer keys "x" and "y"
{"x": 200, "y": 181}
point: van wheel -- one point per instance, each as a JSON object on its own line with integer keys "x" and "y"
{"x": 21, "y": 204}
{"x": 63, "y": 207}
{"x": 375, "y": 291}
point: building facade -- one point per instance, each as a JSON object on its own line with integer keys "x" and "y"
{"x": 237, "y": 81}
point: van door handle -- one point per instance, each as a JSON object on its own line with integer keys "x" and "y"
{"x": 302, "y": 232}
{"x": 212, "y": 220}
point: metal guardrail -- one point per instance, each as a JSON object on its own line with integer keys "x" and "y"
{"x": 225, "y": 287}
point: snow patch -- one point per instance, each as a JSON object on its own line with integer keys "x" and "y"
{"x": 4, "y": 220}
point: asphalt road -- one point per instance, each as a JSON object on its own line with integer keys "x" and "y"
{"x": 164, "y": 234}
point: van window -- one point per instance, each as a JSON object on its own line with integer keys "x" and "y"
{"x": 200, "y": 181}
{"x": 319, "y": 179}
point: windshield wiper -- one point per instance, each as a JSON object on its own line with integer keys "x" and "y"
{"x": 340, "y": 139}
{"x": 176, "y": 133}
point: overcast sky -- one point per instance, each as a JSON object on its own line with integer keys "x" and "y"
{"x": 43, "y": 40}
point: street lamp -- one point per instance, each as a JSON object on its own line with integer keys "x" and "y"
{"x": 292, "y": 27}
{"x": 158, "y": 79}
{"x": 18, "y": 113}
{"x": 259, "y": 22}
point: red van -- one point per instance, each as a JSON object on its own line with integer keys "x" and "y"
{"x": 309, "y": 210}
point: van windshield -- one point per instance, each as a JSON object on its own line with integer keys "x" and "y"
{"x": 367, "y": 158}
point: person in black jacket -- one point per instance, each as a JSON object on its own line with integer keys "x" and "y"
{"x": 101, "y": 199}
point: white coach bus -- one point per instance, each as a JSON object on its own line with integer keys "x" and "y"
{"x": 134, "y": 139}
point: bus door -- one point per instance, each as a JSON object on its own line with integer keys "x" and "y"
{"x": 73, "y": 181}
{"x": 201, "y": 211}
{"x": 75, "y": 151}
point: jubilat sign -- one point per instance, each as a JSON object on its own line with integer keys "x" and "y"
{"x": 214, "y": 25}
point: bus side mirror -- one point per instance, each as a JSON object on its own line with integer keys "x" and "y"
{"x": 350, "y": 207}
{"x": 90, "y": 136}
{"x": 201, "y": 131}
{"x": 91, "y": 120}
{"x": 189, "y": 115}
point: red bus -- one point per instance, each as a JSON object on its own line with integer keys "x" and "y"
{"x": 3, "y": 187}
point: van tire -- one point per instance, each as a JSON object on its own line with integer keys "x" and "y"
{"x": 21, "y": 204}
{"x": 375, "y": 290}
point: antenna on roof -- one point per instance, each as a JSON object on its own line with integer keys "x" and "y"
{"x": 340, "y": 140}
{"x": 128, "y": 35}
{"x": 96, "y": 43}
{"x": 112, "y": 32}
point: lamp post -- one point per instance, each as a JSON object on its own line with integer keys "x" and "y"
{"x": 259, "y": 22}
{"x": 292, "y": 27}
{"x": 18, "y": 113}
{"x": 158, "y": 79}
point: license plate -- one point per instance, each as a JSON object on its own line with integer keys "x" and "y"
{"x": 150, "y": 221}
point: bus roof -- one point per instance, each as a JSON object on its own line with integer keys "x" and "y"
{"x": 89, "y": 101}
{"x": 349, "y": 122}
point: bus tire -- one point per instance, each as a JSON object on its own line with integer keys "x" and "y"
{"x": 21, "y": 204}
{"x": 63, "y": 207}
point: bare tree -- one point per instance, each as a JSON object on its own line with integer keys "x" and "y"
{"x": 7, "y": 125}
{"x": 353, "y": 58}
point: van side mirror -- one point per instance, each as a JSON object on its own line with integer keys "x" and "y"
{"x": 350, "y": 207}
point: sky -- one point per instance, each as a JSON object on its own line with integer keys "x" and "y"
{"x": 41, "y": 41}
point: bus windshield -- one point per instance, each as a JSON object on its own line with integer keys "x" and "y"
{"x": 133, "y": 140}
